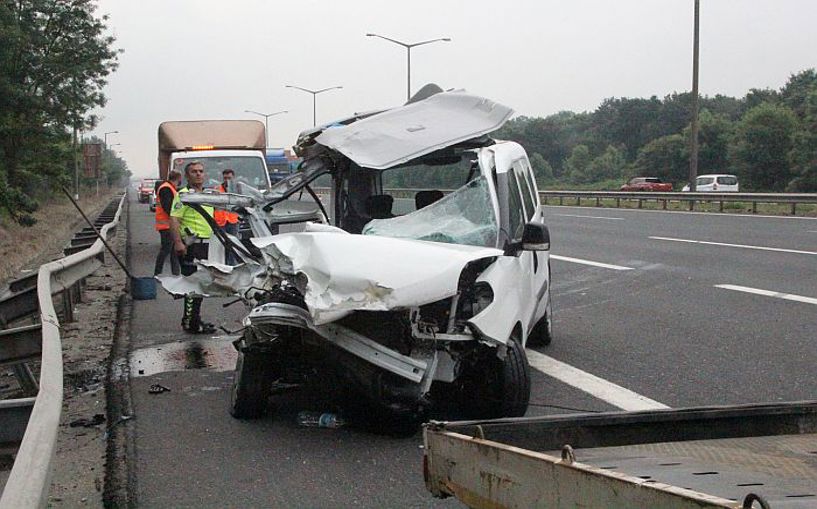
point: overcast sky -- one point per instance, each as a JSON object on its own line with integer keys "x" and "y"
{"x": 213, "y": 59}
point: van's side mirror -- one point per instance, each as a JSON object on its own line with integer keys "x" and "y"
{"x": 535, "y": 237}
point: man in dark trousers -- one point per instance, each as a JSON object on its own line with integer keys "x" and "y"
{"x": 165, "y": 193}
{"x": 191, "y": 235}
{"x": 227, "y": 220}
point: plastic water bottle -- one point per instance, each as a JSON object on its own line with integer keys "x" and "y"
{"x": 320, "y": 420}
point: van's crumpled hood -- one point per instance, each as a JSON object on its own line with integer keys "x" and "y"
{"x": 401, "y": 134}
{"x": 343, "y": 272}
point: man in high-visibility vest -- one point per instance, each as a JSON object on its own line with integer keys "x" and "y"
{"x": 165, "y": 193}
{"x": 228, "y": 221}
{"x": 191, "y": 235}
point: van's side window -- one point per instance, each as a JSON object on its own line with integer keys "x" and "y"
{"x": 516, "y": 214}
{"x": 527, "y": 195}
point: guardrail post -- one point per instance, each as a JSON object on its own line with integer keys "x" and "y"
{"x": 578, "y": 201}
{"x": 640, "y": 203}
{"x": 754, "y": 207}
{"x": 664, "y": 204}
{"x": 561, "y": 200}
{"x": 691, "y": 205}
{"x": 598, "y": 201}
{"x": 26, "y": 379}
{"x": 618, "y": 203}
{"x": 721, "y": 207}
{"x": 794, "y": 209}
{"x": 67, "y": 306}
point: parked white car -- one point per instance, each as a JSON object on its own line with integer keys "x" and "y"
{"x": 407, "y": 311}
{"x": 717, "y": 183}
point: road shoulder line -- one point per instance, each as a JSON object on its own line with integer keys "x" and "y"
{"x": 589, "y": 262}
{"x": 597, "y": 387}
{"x": 740, "y": 246}
{"x": 769, "y": 293}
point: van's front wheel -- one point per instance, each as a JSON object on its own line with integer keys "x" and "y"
{"x": 252, "y": 383}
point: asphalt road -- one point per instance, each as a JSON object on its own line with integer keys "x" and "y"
{"x": 649, "y": 328}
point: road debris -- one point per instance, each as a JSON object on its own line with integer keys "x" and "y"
{"x": 157, "y": 389}
{"x": 83, "y": 422}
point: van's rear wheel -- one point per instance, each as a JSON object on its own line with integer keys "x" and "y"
{"x": 252, "y": 383}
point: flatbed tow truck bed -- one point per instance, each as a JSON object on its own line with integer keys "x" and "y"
{"x": 707, "y": 457}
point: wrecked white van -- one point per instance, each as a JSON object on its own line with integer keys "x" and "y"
{"x": 406, "y": 310}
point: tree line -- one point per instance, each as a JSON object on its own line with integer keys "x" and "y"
{"x": 55, "y": 57}
{"x": 768, "y": 138}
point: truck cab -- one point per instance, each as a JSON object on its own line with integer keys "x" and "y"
{"x": 249, "y": 165}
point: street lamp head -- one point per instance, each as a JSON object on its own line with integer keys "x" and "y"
{"x": 446, "y": 39}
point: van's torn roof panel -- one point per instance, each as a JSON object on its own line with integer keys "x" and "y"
{"x": 405, "y": 133}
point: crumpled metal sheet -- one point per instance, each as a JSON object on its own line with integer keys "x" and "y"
{"x": 354, "y": 273}
{"x": 217, "y": 280}
{"x": 339, "y": 273}
{"x": 398, "y": 135}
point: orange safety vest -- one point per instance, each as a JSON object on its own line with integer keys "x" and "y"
{"x": 162, "y": 216}
{"x": 223, "y": 217}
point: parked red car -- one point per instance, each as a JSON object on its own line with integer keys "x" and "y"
{"x": 651, "y": 184}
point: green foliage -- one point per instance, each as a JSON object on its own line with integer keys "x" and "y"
{"x": 803, "y": 156}
{"x": 665, "y": 157}
{"x": 762, "y": 143}
{"x": 54, "y": 58}
{"x": 541, "y": 168}
{"x": 577, "y": 165}
{"x": 609, "y": 165}
{"x": 714, "y": 135}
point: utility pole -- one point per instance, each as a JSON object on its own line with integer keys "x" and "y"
{"x": 76, "y": 166}
{"x": 693, "y": 135}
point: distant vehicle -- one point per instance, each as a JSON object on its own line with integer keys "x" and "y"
{"x": 153, "y": 197}
{"x": 280, "y": 163}
{"x": 651, "y": 184}
{"x": 219, "y": 144}
{"x": 715, "y": 183}
{"x": 146, "y": 190}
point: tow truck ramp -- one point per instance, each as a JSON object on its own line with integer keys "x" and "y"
{"x": 707, "y": 457}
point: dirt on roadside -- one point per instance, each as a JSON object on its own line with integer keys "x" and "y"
{"x": 26, "y": 248}
{"x": 79, "y": 472}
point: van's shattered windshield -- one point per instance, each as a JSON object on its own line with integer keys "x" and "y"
{"x": 249, "y": 170}
{"x": 465, "y": 216}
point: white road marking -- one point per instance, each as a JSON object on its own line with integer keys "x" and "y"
{"x": 591, "y": 217}
{"x": 600, "y": 388}
{"x": 742, "y": 246}
{"x": 588, "y": 262}
{"x": 769, "y": 293}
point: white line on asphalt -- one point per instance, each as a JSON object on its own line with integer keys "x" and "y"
{"x": 588, "y": 262}
{"x": 591, "y": 217}
{"x": 742, "y": 246}
{"x": 600, "y": 388}
{"x": 769, "y": 293}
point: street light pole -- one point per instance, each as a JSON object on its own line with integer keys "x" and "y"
{"x": 104, "y": 156}
{"x": 266, "y": 122}
{"x": 693, "y": 135}
{"x": 314, "y": 94}
{"x": 408, "y": 47}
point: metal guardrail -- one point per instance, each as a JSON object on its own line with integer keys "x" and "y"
{"x": 690, "y": 199}
{"x": 34, "y": 421}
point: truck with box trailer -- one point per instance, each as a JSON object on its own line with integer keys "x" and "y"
{"x": 238, "y": 145}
